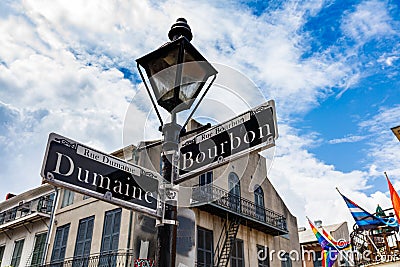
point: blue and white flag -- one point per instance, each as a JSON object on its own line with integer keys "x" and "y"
{"x": 366, "y": 220}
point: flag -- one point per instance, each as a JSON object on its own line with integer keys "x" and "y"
{"x": 395, "y": 198}
{"x": 329, "y": 252}
{"x": 329, "y": 257}
{"x": 366, "y": 220}
{"x": 341, "y": 244}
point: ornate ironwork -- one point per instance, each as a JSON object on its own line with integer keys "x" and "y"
{"x": 104, "y": 259}
{"x": 42, "y": 204}
{"x": 379, "y": 244}
{"x": 238, "y": 205}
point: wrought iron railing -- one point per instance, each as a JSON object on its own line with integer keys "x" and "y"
{"x": 42, "y": 204}
{"x": 374, "y": 246}
{"x": 108, "y": 259}
{"x": 238, "y": 205}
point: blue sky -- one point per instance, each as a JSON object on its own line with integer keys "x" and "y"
{"x": 331, "y": 66}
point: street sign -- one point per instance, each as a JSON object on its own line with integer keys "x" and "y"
{"x": 252, "y": 130}
{"x": 74, "y": 166}
{"x": 396, "y": 131}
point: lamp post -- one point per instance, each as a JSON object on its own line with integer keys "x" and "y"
{"x": 177, "y": 73}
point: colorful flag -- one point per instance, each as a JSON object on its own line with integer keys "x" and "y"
{"x": 329, "y": 252}
{"x": 341, "y": 244}
{"x": 366, "y": 220}
{"x": 395, "y": 198}
{"x": 329, "y": 257}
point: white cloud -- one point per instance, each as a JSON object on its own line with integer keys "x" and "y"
{"x": 384, "y": 147}
{"x": 348, "y": 139}
{"x": 308, "y": 185}
{"x": 369, "y": 20}
{"x": 388, "y": 59}
{"x": 59, "y": 72}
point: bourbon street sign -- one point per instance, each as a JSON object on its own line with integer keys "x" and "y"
{"x": 252, "y": 130}
{"x": 79, "y": 168}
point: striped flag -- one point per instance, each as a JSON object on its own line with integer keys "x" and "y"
{"x": 329, "y": 257}
{"x": 366, "y": 220}
{"x": 341, "y": 244}
{"x": 329, "y": 252}
{"x": 395, "y": 198}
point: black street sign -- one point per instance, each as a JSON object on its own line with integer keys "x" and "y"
{"x": 74, "y": 166}
{"x": 396, "y": 131}
{"x": 252, "y": 130}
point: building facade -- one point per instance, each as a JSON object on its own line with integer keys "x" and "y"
{"x": 230, "y": 215}
{"x": 24, "y": 227}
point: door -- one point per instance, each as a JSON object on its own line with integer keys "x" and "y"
{"x": 234, "y": 192}
{"x": 205, "y": 183}
{"x": 259, "y": 202}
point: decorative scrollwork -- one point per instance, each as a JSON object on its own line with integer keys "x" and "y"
{"x": 189, "y": 142}
{"x": 171, "y": 194}
{"x": 67, "y": 143}
{"x": 148, "y": 174}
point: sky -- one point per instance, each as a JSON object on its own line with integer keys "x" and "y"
{"x": 332, "y": 68}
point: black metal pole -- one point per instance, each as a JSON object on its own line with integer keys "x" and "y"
{"x": 167, "y": 226}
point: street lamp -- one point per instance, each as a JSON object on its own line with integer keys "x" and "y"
{"x": 177, "y": 73}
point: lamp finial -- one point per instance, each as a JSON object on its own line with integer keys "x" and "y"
{"x": 180, "y": 28}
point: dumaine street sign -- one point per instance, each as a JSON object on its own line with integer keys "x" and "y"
{"x": 74, "y": 166}
{"x": 255, "y": 129}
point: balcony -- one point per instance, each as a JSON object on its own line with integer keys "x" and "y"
{"x": 108, "y": 259}
{"x": 218, "y": 201}
{"x": 26, "y": 211}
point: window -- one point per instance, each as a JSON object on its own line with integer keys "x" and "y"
{"x": 60, "y": 243}
{"x": 318, "y": 259}
{"x": 83, "y": 241}
{"x": 38, "y": 249}
{"x": 85, "y": 197}
{"x": 263, "y": 256}
{"x": 237, "y": 259}
{"x": 2, "y": 248}
{"x": 110, "y": 239}
{"x": 234, "y": 191}
{"x": 205, "y": 183}
{"x": 206, "y": 178}
{"x": 285, "y": 260}
{"x": 68, "y": 198}
{"x": 16, "y": 257}
{"x": 259, "y": 201}
{"x": 205, "y": 243}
